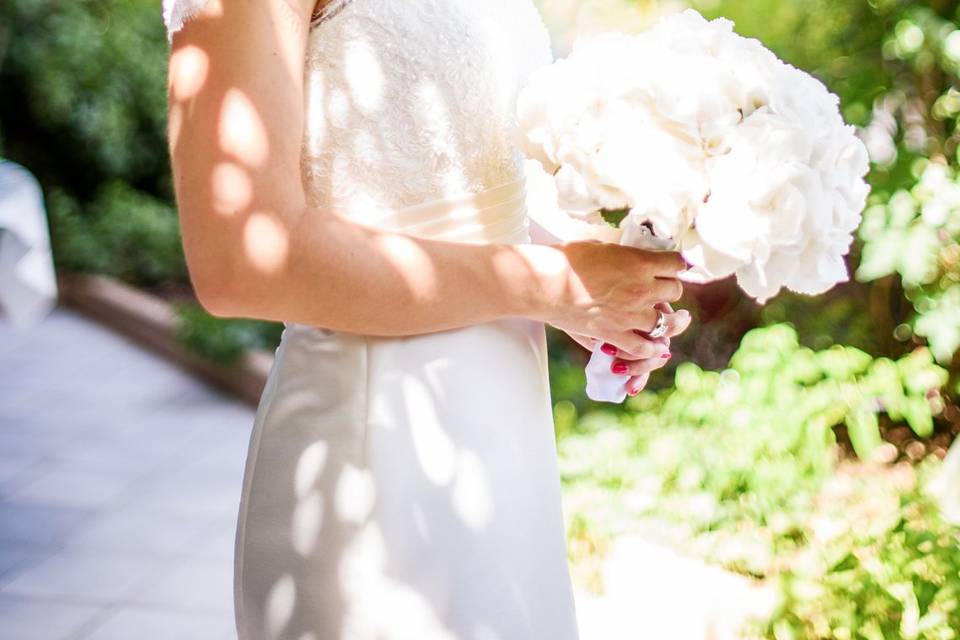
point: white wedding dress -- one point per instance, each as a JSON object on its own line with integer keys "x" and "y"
{"x": 408, "y": 487}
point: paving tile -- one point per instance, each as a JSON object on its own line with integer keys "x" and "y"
{"x": 217, "y": 541}
{"x": 135, "y": 530}
{"x": 192, "y": 584}
{"x": 15, "y": 464}
{"x": 86, "y": 576}
{"x": 194, "y": 492}
{"x": 129, "y": 623}
{"x": 120, "y": 478}
{"x": 39, "y": 525}
{"x": 78, "y": 488}
{"x": 32, "y": 619}
{"x": 129, "y": 448}
{"x": 16, "y": 558}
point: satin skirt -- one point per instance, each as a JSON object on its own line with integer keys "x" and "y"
{"x": 404, "y": 488}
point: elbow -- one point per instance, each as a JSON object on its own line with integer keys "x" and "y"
{"x": 221, "y": 292}
{"x": 236, "y": 271}
{"x": 217, "y": 295}
{"x": 225, "y": 291}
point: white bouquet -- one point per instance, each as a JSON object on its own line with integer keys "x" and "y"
{"x": 712, "y": 144}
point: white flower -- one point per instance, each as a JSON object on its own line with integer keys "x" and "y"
{"x": 741, "y": 158}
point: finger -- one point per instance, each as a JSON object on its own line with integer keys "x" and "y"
{"x": 632, "y": 346}
{"x": 656, "y": 346}
{"x": 636, "y": 384}
{"x": 676, "y": 322}
{"x": 666, "y": 263}
{"x": 677, "y": 325}
{"x": 624, "y": 367}
{"x": 665, "y": 290}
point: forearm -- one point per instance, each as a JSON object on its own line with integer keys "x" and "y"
{"x": 349, "y": 277}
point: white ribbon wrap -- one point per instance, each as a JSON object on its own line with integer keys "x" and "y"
{"x": 602, "y": 384}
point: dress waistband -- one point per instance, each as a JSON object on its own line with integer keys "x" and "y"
{"x": 497, "y": 214}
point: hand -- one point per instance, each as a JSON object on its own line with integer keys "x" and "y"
{"x": 611, "y": 288}
{"x": 639, "y": 369}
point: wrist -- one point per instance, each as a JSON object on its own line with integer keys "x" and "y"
{"x": 545, "y": 272}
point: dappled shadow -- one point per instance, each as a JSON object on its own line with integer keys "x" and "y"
{"x": 390, "y": 481}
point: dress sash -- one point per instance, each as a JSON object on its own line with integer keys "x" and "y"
{"x": 497, "y": 214}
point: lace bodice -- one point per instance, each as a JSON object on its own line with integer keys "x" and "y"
{"x": 412, "y": 100}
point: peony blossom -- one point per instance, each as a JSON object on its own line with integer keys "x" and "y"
{"x": 740, "y": 159}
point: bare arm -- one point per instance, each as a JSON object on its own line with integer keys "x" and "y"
{"x": 256, "y": 249}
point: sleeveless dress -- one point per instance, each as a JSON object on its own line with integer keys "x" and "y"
{"x": 408, "y": 487}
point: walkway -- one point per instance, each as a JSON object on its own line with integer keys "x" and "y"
{"x": 119, "y": 485}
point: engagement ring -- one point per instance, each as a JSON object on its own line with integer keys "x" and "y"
{"x": 660, "y": 328}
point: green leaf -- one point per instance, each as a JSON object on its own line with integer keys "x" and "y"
{"x": 880, "y": 257}
{"x": 848, "y": 562}
{"x": 918, "y": 258}
{"x": 940, "y": 325}
{"x": 864, "y": 431}
{"x": 917, "y": 413}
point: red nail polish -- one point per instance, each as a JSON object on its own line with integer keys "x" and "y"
{"x": 619, "y": 367}
{"x": 665, "y": 355}
{"x": 608, "y": 349}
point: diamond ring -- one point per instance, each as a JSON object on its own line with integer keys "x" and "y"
{"x": 660, "y": 328}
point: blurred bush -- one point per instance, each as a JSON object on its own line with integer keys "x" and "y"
{"x": 84, "y": 107}
{"x": 85, "y": 93}
{"x": 223, "y": 340}
{"x": 129, "y": 235}
{"x": 888, "y": 569}
{"x": 751, "y": 445}
{"x": 916, "y": 235}
{"x": 745, "y": 467}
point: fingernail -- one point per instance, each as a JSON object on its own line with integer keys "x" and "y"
{"x": 619, "y": 368}
{"x": 633, "y": 392}
{"x": 666, "y": 356}
{"x": 608, "y": 349}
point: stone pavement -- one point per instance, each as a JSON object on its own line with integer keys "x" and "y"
{"x": 119, "y": 484}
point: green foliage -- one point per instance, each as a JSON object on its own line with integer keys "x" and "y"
{"x": 734, "y": 459}
{"x": 84, "y": 108}
{"x": 122, "y": 232}
{"x": 774, "y": 380}
{"x": 224, "y": 340}
{"x": 86, "y": 79}
{"x": 895, "y": 573}
{"x": 916, "y": 234}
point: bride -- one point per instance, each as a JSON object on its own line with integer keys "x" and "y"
{"x": 349, "y": 169}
